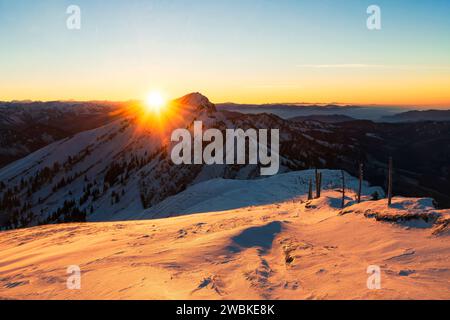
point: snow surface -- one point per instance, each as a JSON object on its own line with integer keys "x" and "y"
{"x": 225, "y": 194}
{"x": 289, "y": 249}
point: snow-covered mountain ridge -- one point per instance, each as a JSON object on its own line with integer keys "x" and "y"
{"x": 120, "y": 169}
{"x": 115, "y": 171}
{"x": 89, "y": 172}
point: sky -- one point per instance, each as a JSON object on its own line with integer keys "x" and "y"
{"x": 245, "y": 51}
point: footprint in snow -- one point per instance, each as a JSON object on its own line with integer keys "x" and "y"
{"x": 12, "y": 285}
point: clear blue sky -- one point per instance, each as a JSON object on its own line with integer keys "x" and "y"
{"x": 246, "y": 50}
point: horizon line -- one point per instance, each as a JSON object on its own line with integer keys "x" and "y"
{"x": 262, "y": 104}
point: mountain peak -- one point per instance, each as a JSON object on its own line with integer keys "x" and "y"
{"x": 196, "y": 101}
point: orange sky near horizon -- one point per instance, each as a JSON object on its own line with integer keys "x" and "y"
{"x": 287, "y": 51}
{"x": 378, "y": 89}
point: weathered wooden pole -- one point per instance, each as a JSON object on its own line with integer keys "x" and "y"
{"x": 318, "y": 183}
{"x": 361, "y": 173}
{"x": 343, "y": 189}
{"x": 310, "y": 191}
{"x": 390, "y": 182}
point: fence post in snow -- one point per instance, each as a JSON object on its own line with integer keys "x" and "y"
{"x": 343, "y": 189}
{"x": 318, "y": 183}
{"x": 310, "y": 192}
{"x": 390, "y": 182}
{"x": 361, "y": 173}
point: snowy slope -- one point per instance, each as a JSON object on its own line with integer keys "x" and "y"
{"x": 292, "y": 249}
{"x": 115, "y": 171}
{"x": 97, "y": 171}
{"x": 223, "y": 194}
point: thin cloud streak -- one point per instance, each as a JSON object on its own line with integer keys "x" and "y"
{"x": 366, "y": 66}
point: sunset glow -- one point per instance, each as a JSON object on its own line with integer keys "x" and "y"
{"x": 296, "y": 51}
{"x": 215, "y": 153}
{"x": 155, "y": 102}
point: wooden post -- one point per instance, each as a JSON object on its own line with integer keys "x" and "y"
{"x": 343, "y": 189}
{"x": 390, "y": 182}
{"x": 310, "y": 192}
{"x": 361, "y": 166}
{"x": 318, "y": 183}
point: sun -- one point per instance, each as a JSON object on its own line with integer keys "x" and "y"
{"x": 155, "y": 102}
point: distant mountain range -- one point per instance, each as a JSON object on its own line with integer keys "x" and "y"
{"x": 335, "y": 118}
{"x": 288, "y": 111}
{"x": 418, "y": 116}
{"x": 325, "y": 113}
